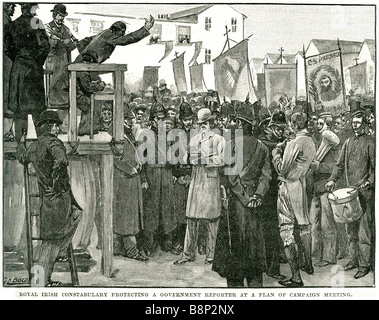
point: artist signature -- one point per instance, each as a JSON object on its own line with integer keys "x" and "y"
{"x": 15, "y": 281}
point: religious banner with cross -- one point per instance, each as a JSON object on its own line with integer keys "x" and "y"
{"x": 358, "y": 78}
{"x": 325, "y": 82}
{"x": 280, "y": 80}
{"x": 233, "y": 78}
{"x": 179, "y": 73}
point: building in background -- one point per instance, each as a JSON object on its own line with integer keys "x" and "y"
{"x": 349, "y": 52}
{"x": 198, "y": 34}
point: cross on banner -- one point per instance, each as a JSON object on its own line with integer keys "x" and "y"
{"x": 227, "y": 36}
{"x": 356, "y": 60}
{"x": 176, "y": 54}
{"x": 281, "y": 55}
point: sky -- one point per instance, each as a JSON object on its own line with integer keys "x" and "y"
{"x": 273, "y": 25}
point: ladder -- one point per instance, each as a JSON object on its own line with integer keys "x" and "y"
{"x": 32, "y": 218}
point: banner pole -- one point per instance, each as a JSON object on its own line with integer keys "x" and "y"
{"x": 342, "y": 75}
{"x": 306, "y": 84}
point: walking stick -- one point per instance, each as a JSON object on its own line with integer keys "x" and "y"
{"x": 28, "y": 217}
{"x": 226, "y": 208}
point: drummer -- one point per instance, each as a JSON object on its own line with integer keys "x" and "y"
{"x": 357, "y": 163}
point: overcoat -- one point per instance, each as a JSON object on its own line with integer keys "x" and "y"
{"x": 204, "y": 198}
{"x": 28, "y": 48}
{"x": 127, "y": 196}
{"x": 57, "y": 61}
{"x": 48, "y": 156}
{"x": 240, "y": 246}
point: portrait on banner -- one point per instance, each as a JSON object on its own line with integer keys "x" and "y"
{"x": 325, "y": 84}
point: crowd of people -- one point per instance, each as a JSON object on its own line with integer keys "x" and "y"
{"x": 246, "y": 222}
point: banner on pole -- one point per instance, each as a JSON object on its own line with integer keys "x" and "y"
{"x": 358, "y": 78}
{"x": 280, "y": 80}
{"x": 179, "y": 73}
{"x": 325, "y": 82}
{"x": 233, "y": 78}
{"x": 196, "y": 74}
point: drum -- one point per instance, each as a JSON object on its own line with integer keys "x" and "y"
{"x": 345, "y": 205}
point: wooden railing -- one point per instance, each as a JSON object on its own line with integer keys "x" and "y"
{"x": 118, "y": 71}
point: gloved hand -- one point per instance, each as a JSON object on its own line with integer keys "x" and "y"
{"x": 255, "y": 201}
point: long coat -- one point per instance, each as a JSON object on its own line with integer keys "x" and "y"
{"x": 127, "y": 196}
{"x": 48, "y": 156}
{"x": 28, "y": 49}
{"x": 158, "y": 205}
{"x": 240, "y": 248}
{"x": 59, "y": 57}
{"x": 204, "y": 198}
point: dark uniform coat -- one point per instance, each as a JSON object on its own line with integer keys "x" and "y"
{"x": 158, "y": 205}
{"x": 246, "y": 255}
{"x": 28, "y": 48}
{"x": 127, "y": 196}
{"x": 48, "y": 156}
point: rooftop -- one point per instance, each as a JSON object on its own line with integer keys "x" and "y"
{"x": 324, "y": 45}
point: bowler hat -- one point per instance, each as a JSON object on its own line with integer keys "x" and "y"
{"x": 49, "y": 116}
{"x": 204, "y": 114}
{"x": 61, "y": 9}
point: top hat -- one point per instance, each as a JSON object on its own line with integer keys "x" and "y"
{"x": 278, "y": 118}
{"x": 61, "y": 9}
{"x": 49, "y": 116}
{"x": 204, "y": 114}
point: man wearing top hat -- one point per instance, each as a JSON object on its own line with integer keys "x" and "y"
{"x": 206, "y": 151}
{"x": 28, "y": 47}
{"x": 58, "y": 217}
{"x": 324, "y": 228}
{"x": 240, "y": 246}
{"x": 62, "y": 42}
{"x": 268, "y": 210}
{"x": 357, "y": 163}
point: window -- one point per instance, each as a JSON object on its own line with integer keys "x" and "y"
{"x": 163, "y": 16}
{"x": 96, "y": 26}
{"x": 74, "y": 24}
{"x": 183, "y": 34}
{"x": 207, "y": 56}
{"x": 156, "y": 33}
{"x": 234, "y": 24}
{"x": 208, "y": 23}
